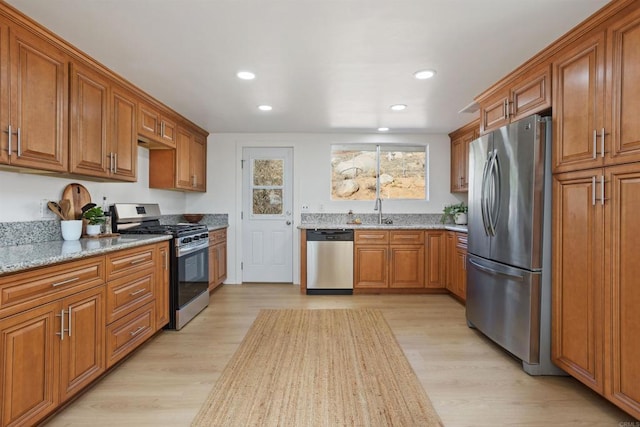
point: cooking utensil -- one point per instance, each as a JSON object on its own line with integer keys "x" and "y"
{"x": 87, "y": 207}
{"x": 56, "y": 209}
{"x": 65, "y": 207}
{"x": 79, "y": 197}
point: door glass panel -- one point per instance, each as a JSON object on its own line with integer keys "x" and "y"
{"x": 268, "y": 172}
{"x": 267, "y": 202}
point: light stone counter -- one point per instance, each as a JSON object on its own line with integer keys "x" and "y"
{"x": 23, "y": 257}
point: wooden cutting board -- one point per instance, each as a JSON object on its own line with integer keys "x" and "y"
{"x": 79, "y": 196}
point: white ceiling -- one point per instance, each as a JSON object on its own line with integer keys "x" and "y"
{"x": 324, "y": 65}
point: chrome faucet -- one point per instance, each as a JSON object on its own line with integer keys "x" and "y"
{"x": 378, "y": 207}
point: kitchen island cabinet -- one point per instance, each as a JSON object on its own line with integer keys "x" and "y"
{"x": 64, "y": 325}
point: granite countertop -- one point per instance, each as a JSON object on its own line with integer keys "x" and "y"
{"x": 217, "y": 227}
{"x": 327, "y": 226}
{"x": 23, "y": 257}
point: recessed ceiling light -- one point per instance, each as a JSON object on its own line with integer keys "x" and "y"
{"x": 424, "y": 74}
{"x": 383, "y": 129}
{"x": 265, "y": 107}
{"x": 398, "y": 107}
{"x": 246, "y": 75}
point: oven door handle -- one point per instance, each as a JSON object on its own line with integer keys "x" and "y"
{"x": 191, "y": 249}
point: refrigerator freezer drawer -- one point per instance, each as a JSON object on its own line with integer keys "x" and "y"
{"x": 504, "y": 303}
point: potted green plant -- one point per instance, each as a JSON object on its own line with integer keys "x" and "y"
{"x": 456, "y": 213}
{"x": 95, "y": 218}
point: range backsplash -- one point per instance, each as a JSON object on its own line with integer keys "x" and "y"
{"x": 30, "y": 232}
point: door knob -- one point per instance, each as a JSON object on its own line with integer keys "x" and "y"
{"x": 288, "y": 222}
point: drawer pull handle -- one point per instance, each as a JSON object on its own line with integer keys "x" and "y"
{"x": 62, "y": 329}
{"x": 64, "y": 282}
{"x": 138, "y": 261}
{"x": 137, "y": 331}
{"x": 139, "y": 291}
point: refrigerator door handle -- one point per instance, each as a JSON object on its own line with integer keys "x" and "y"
{"x": 494, "y": 173}
{"x": 517, "y": 277}
{"x": 483, "y": 196}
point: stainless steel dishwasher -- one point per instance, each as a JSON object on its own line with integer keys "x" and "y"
{"x": 330, "y": 262}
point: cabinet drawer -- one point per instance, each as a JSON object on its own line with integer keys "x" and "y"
{"x": 126, "y": 294}
{"x": 408, "y": 237}
{"x": 124, "y": 335}
{"x": 217, "y": 236}
{"x": 24, "y": 290}
{"x": 128, "y": 261}
{"x": 371, "y": 237}
{"x": 461, "y": 240}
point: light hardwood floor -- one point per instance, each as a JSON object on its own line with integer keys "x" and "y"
{"x": 470, "y": 381}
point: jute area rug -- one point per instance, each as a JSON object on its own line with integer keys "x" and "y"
{"x": 318, "y": 368}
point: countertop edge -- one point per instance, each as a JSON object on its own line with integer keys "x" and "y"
{"x": 12, "y": 258}
{"x": 450, "y": 227}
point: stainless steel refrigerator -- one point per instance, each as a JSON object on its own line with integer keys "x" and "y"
{"x": 509, "y": 242}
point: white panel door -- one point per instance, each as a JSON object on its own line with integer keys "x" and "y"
{"x": 267, "y": 224}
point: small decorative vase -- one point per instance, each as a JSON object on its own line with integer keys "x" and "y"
{"x": 460, "y": 218}
{"x": 93, "y": 229}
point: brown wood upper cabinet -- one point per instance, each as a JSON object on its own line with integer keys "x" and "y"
{"x": 597, "y": 86}
{"x": 33, "y": 100}
{"x": 460, "y": 140}
{"x": 183, "y": 168}
{"x": 155, "y": 127}
{"x": 103, "y": 126}
{"x": 527, "y": 93}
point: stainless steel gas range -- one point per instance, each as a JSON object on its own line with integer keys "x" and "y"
{"x": 189, "y": 260}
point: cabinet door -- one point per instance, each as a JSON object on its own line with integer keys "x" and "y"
{"x": 494, "y": 112}
{"x": 457, "y": 165}
{"x": 578, "y": 265}
{"x": 451, "y": 275}
{"x": 578, "y": 104}
{"x": 371, "y": 266}
{"x": 4, "y": 92}
{"x": 82, "y": 355}
{"x": 184, "y": 178}
{"x": 461, "y": 273}
{"x": 167, "y": 131}
{"x": 435, "y": 265}
{"x": 29, "y": 360}
{"x": 123, "y": 136}
{"x": 39, "y": 102}
{"x": 148, "y": 121}
{"x": 221, "y": 264}
{"x": 89, "y": 112}
{"x": 162, "y": 285}
{"x": 407, "y": 266}
{"x": 623, "y": 227}
{"x": 531, "y": 94}
{"x": 624, "y": 90}
{"x": 198, "y": 161}
{"x": 213, "y": 265}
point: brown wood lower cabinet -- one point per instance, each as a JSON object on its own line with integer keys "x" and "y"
{"x": 595, "y": 319}
{"x": 456, "y": 248}
{"x": 56, "y": 341}
{"x": 398, "y": 260}
{"x": 217, "y": 258}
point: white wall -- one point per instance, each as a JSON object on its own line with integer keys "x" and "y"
{"x": 312, "y": 156}
{"x": 20, "y": 193}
